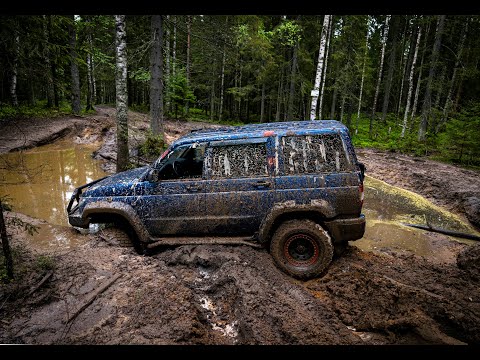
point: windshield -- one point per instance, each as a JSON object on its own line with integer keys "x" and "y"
{"x": 170, "y": 154}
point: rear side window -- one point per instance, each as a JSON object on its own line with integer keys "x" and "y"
{"x": 234, "y": 161}
{"x": 314, "y": 154}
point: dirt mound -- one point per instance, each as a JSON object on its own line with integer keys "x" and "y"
{"x": 469, "y": 261}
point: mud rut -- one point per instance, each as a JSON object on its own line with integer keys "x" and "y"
{"x": 235, "y": 295}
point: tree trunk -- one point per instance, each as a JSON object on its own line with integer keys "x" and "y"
{"x": 189, "y": 28}
{"x": 292, "y": 83}
{"x": 46, "y": 59}
{"x": 212, "y": 93}
{"x": 279, "y": 97}
{"x": 174, "y": 48}
{"x": 13, "y": 77}
{"x": 121, "y": 93}
{"x": 419, "y": 80}
{"x": 5, "y": 245}
{"x": 262, "y": 104}
{"x": 403, "y": 63}
{"x": 324, "y": 75}
{"x": 427, "y": 103}
{"x": 74, "y": 68}
{"x": 53, "y": 67}
{"x": 321, "y": 57}
{"x": 363, "y": 76}
{"x": 222, "y": 85}
{"x": 448, "y": 100}
{"x": 410, "y": 82}
{"x": 156, "y": 80}
{"x": 89, "y": 67}
{"x": 391, "y": 67}
{"x": 334, "y": 102}
{"x": 380, "y": 70}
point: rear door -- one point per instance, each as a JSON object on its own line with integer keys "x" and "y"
{"x": 239, "y": 186}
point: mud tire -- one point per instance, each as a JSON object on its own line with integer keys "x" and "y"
{"x": 301, "y": 248}
{"x": 117, "y": 236}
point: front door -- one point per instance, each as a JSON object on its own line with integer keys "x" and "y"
{"x": 239, "y": 186}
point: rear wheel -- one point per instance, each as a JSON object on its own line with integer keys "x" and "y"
{"x": 301, "y": 248}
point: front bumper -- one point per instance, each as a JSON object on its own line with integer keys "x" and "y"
{"x": 343, "y": 230}
{"x": 73, "y": 211}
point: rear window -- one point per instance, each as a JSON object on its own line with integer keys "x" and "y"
{"x": 233, "y": 161}
{"x": 314, "y": 154}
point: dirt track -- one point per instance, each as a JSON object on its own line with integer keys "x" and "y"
{"x": 236, "y": 295}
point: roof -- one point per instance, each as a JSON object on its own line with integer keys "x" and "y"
{"x": 264, "y": 129}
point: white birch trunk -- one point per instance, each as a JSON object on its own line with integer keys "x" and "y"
{"x": 324, "y": 75}
{"x": 419, "y": 80}
{"x": 380, "y": 71}
{"x": 410, "y": 82}
{"x": 363, "y": 75}
{"x": 321, "y": 56}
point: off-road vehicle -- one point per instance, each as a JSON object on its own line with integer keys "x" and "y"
{"x": 295, "y": 188}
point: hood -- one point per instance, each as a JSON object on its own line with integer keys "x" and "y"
{"x": 116, "y": 185}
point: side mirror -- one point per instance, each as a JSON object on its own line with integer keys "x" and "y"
{"x": 153, "y": 175}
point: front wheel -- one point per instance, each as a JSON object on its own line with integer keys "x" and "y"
{"x": 301, "y": 248}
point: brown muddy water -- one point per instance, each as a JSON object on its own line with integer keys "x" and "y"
{"x": 40, "y": 181}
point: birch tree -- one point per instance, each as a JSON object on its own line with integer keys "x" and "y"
{"x": 324, "y": 75}
{"x": 380, "y": 71}
{"x": 121, "y": 93}
{"x": 363, "y": 73}
{"x": 156, "y": 79}
{"x": 419, "y": 80}
{"x": 427, "y": 103}
{"x": 391, "y": 67}
{"x": 74, "y": 68}
{"x": 321, "y": 57}
{"x": 410, "y": 81}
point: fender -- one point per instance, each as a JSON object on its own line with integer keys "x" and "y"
{"x": 122, "y": 209}
{"x": 320, "y": 206}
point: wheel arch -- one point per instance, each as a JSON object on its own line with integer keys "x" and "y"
{"x": 106, "y": 212}
{"x": 282, "y": 212}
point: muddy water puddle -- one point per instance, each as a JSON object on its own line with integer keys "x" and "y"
{"x": 387, "y": 208}
{"x": 39, "y": 183}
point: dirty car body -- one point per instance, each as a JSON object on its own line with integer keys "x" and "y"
{"x": 294, "y": 187}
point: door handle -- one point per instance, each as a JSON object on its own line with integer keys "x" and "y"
{"x": 262, "y": 184}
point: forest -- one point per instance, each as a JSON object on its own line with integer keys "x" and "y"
{"x": 403, "y": 83}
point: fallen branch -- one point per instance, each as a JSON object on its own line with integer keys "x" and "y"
{"x": 444, "y": 231}
{"x": 36, "y": 287}
{"x": 93, "y": 295}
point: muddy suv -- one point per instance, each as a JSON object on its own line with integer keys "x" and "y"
{"x": 295, "y": 188}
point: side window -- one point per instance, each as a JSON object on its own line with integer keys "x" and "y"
{"x": 185, "y": 162}
{"x": 235, "y": 161}
{"x": 313, "y": 154}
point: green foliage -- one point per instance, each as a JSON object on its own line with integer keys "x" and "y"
{"x": 45, "y": 263}
{"x": 39, "y": 110}
{"x": 461, "y": 141}
{"x": 153, "y": 146}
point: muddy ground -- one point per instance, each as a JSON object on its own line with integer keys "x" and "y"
{"x": 235, "y": 294}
